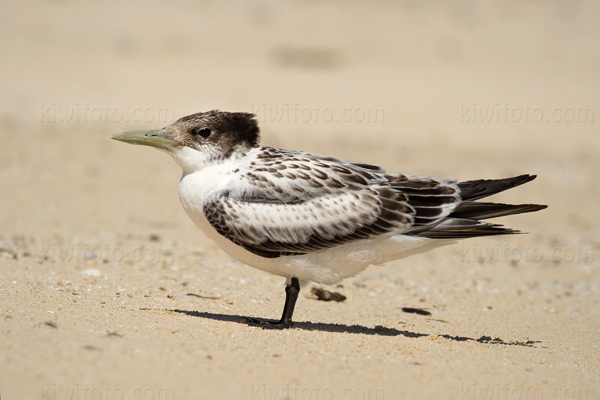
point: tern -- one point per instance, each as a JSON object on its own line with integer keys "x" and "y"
{"x": 313, "y": 218}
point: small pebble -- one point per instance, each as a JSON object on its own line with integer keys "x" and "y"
{"x": 6, "y": 247}
{"x": 92, "y": 272}
{"x": 326, "y": 295}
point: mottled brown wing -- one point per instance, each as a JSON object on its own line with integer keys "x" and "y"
{"x": 273, "y": 229}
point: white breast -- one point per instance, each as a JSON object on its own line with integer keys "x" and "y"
{"x": 329, "y": 266}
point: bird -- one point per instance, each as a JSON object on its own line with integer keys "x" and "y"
{"x": 313, "y": 218}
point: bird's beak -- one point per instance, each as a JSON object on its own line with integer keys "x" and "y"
{"x": 147, "y": 138}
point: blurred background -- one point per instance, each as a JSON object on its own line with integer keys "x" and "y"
{"x": 453, "y": 89}
{"x": 458, "y": 89}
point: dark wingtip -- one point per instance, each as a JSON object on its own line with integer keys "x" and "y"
{"x": 480, "y": 188}
{"x": 481, "y": 210}
{"x": 528, "y": 177}
{"x": 519, "y": 180}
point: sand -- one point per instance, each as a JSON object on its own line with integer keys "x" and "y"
{"x": 108, "y": 291}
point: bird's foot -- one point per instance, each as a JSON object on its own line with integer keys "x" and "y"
{"x": 291, "y": 294}
{"x": 269, "y": 323}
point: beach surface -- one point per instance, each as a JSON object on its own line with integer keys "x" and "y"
{"x": 108, "y": 290}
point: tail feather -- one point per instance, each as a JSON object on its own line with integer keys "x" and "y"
{"x": 458, "y": 228}
{"x": 477, "y": 211}
{"x": 465, "y": 220}
{"x": 478, "y": 189}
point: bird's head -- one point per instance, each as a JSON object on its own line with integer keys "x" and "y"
{"x": 199, "y": 139}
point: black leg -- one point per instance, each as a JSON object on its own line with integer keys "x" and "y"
{"x": 291, "y": 295}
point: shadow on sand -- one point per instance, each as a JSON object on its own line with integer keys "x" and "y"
{"x": 358, "y": 329}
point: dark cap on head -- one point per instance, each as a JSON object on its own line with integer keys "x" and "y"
{"x": 228, "y": 129}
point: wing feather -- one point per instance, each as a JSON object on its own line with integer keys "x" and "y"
{"x": 271, "y": 229}
{"x": 286, "y": 203}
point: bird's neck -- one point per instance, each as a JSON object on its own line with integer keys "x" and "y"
{"x": 191, "y": 160}
{"x": 196, "y": 184}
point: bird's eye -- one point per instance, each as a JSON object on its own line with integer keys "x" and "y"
{"x": 204, "y": 132}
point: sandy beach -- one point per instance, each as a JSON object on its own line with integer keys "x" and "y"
{"x": 108, "y": 290}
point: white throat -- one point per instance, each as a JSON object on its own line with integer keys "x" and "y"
{"x": 191, "y": 160}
